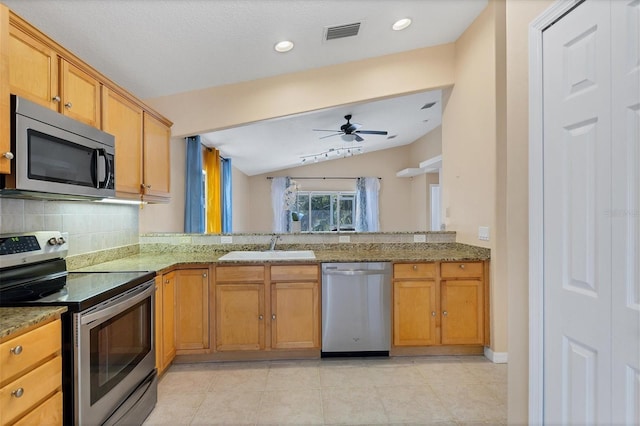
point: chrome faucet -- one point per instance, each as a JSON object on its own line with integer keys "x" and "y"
{"x": 274, "y": 240}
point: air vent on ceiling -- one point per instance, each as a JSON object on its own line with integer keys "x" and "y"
{"x": 341, "y": 31}
{"x": 429, "y": 105}
{"x": 392, "y": 136}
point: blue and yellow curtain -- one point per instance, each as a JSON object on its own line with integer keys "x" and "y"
{"x": 217, "y": 196}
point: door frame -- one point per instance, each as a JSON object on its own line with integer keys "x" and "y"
{"x": 536, "y": 207}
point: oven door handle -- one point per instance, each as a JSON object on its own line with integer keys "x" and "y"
{"x": 131, "y": 298}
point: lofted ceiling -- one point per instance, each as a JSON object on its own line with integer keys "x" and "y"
{"x": 156, "y": 48}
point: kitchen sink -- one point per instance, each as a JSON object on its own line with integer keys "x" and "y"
{"x": 270, "y": 255}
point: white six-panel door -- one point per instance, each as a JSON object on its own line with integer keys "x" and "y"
{"x": 591, "y": 215}
{"x": 625, "y": 213}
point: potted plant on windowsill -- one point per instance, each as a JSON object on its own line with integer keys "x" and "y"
{"x": 295, "y": 222}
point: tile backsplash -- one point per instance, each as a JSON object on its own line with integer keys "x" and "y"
{"x": 91, "y": 226}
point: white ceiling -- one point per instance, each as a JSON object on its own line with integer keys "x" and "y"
{"x": 161, "y": 47}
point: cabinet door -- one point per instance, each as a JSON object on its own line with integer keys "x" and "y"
{"x": 168, "y": 319}
{"x": 33, "y": 69}
{"x": 239, "y": 317}
{"x": 5, "y": 108}
{"x": 414, "y": 313}
{"x": 462, "y": 311}
{"x": 156, "y": 157}
{"x": 295, "y": 315}
{"x": 192, "y": 312}
{"x": 158, "y": 323}
{"x": 80, "y": 95}
{"x": 123, "y": 119}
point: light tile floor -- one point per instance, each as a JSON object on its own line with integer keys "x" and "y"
{"x": 461, "y": 390}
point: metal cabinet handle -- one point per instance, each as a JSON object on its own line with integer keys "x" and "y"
{"x": 56, "y": 99}
{"x": 68, "y": 105}
{"x": 8, "y": 155}
{"x": 17, "y": 393}
{"x": 445, "y": 313}
{"x": 260, "y": 317}
{"x": 273, "y": 316}
{"x": 462, "y": 266}
{"x": 16, "y": 350}
{"x": 204, "y": 275}
{"x": 166, "y": 281}
{"x": 433, "y": 313}
{"x": 415, "y": 267}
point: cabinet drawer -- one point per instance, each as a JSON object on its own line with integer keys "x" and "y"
{"x": 47, "y": 413}
{"x": 414, "y": 270}
{"x": 36, "y": 386}
{"x": 461, "y": 269}
{"x": 230, "y": 274}
{"x": 294, "y": 273}
{"x": 34, "y": 346}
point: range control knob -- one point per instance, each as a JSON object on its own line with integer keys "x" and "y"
{"x": 61, "y": 241}
{"x": 52, "y": 241}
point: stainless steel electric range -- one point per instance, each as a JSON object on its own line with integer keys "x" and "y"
{"x": 109, "y": 374}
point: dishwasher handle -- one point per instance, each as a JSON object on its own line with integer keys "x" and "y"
{"x": 351, "y": 272}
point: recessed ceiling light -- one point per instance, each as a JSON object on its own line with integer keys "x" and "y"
{"x": 401, "y": 24}
{"x": 283, "y": 46}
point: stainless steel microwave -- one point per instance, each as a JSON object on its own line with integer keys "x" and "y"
{"x": 56, "y": 156}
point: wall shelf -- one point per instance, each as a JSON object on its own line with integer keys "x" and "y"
{"x": 432, "y": 165}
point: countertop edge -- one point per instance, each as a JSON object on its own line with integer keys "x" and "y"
{"x": 15, "y": 320}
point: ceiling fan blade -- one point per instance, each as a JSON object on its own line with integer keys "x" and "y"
{"x": 328, "y": 136}
{"x": 324, "y": 130}
{"x": 372, "y": 132}
{"x": 359, "y": 138}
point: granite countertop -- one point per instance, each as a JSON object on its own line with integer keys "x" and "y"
{"x": 166, "y": 259}
{"x": 14, "y": 320}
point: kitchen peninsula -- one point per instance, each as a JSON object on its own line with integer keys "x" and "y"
{"x": 196, "y": 291}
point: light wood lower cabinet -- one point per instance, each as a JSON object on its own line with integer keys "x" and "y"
{"x": 440, "y": 303}
{"x": 254, "y": 302}
{"x": 165, "y": 320}
{"x": 192, "y": 310}
{"x": 240, "y": 317}
{"x": 31, "y": 377}
{"x": 295, "y": 315}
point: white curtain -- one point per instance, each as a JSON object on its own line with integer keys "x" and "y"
{"x": 280, "y": 214}
{"x": 367, "y": 189}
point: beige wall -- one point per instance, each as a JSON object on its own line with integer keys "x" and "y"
{"x": 220, "y": 107}
{"x": 469, "y": 150}
{"x": 241, "y": 212}
{"x": 396, "y": 212}
{"x": 518, "y": 16}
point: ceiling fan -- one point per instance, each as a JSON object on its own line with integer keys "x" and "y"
{"x": 350, "y": 131}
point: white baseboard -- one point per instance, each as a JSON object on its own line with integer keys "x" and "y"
{"x": 496, "y": 357}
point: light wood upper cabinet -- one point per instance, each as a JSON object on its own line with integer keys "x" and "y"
{"x": 37, "y": 68}
{"x": 192, "y": 310}
{"x": 5, "y": 107}
{"x": 33, "y": 69}
{"x": 156, "y": 158}
{"x": 80, "y": 93}
{"x": 123, "y": 119}
{"x": 38, "y": 73}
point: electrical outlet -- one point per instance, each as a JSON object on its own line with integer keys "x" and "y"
{"x": 226, "y": 239}
{"x": 483, "y": 233}
{"x": 344, "y": 239}
{"x": 419, "y": 238}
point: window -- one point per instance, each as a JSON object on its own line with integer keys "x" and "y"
{"x": 326, "y": 211}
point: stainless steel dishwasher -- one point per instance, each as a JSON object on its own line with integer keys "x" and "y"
{"x": 356, "y": 309}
